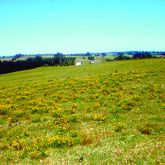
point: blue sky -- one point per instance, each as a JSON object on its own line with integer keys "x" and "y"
{"x": 75, "y": 26}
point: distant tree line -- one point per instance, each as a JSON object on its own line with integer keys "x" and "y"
{"x": 134, "y": 55}
{"x": 16, "y": 65}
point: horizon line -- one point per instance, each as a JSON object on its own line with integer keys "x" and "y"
{"x": 31, "y": 54}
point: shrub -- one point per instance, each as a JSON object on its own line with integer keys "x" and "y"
{"x": 99, "y": 117}
{"x": 60, "y": 141}
{"x": 18, "y": 144}
{"x": 36, "y": 154}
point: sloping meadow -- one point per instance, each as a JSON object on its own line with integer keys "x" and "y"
{"x": 104, "y": 113}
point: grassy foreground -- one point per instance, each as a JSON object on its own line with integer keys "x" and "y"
{"x": 106, "y": 113}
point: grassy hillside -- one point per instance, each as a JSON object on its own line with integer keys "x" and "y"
{"x": 106, "y": 113}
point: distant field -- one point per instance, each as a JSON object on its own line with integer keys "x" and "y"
{"x": 103, "y": 113}
{"x": 98, "y": 59}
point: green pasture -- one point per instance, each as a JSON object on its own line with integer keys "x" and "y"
{"x": 103, "y": 113}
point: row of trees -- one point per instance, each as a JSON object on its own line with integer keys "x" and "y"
{"x": 136, "y": 55}
{"x": 16, "y": 65}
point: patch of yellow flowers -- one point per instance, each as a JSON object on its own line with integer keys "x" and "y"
{"x": 60, "y": 141}
{"x": 18, "y": 144}
{"x": 99, "y": 117}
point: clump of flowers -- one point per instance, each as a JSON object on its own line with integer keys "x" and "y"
{"x": 34, "y": 154}
{"x": 38, "y": 154}
{"x": 61, "y": 121}
{"x": 4, "y": 109}
{"x": 18, "y": 144}
{"x": 60, "y": 141}
{"x": 99, "y": 117}
{"x": 56, "y": 112}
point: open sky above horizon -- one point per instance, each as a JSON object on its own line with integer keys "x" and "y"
{"x": 75, "y": 26}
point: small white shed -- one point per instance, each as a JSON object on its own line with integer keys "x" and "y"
{"x": 78, "y": 63}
